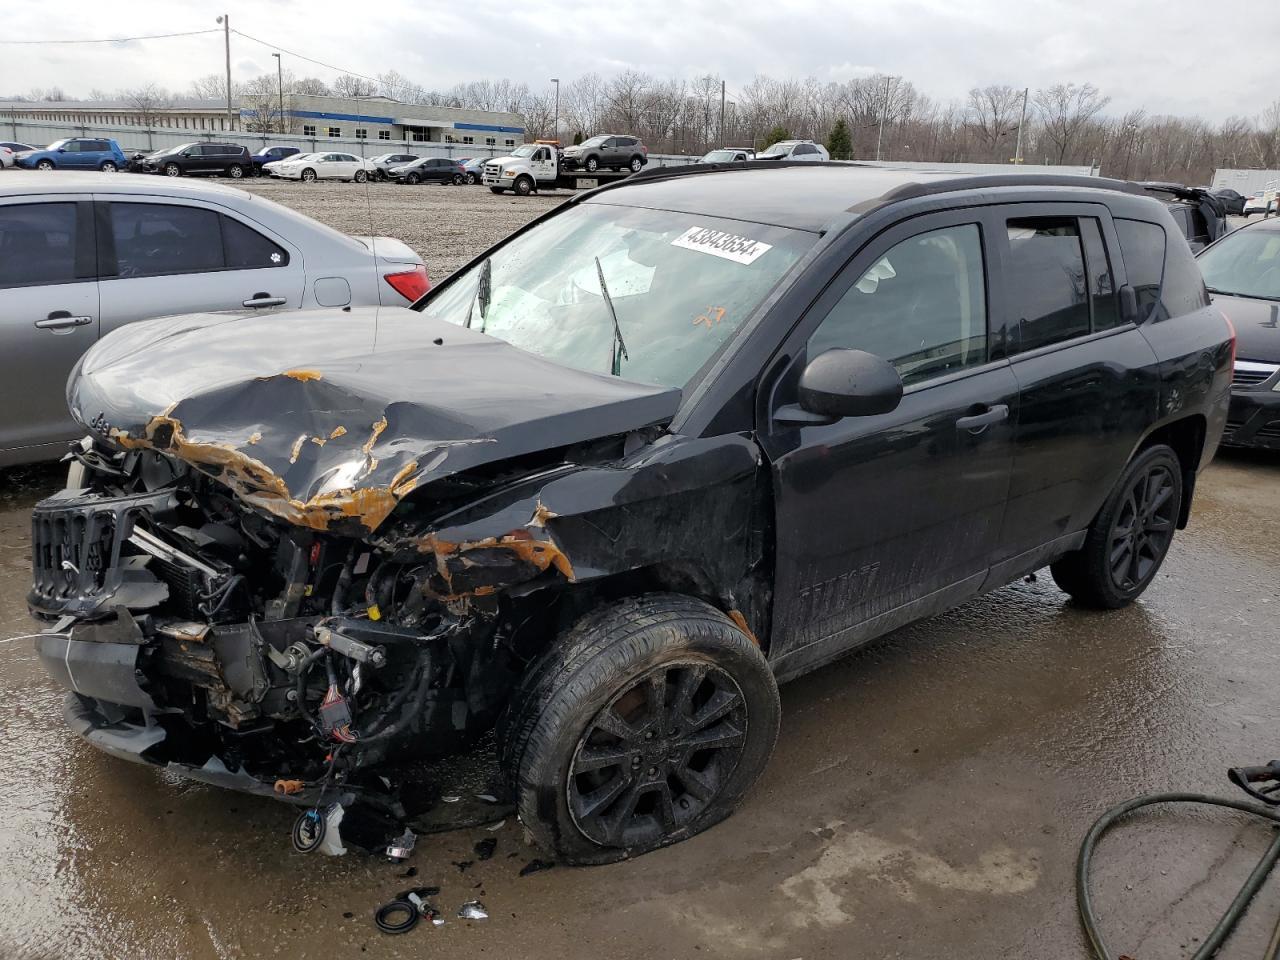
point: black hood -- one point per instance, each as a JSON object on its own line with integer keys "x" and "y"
{"x": 1257, "y": 324}
{"x": 327, "y": 419}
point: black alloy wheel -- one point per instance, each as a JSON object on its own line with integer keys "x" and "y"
{"x": 657, "y": 755}
{"x": 1143, "y": 527}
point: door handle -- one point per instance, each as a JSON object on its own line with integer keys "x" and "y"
{"x": 62, "y": 320}
{"x": 265, "y": 300}
{"x": 980, "y": 421}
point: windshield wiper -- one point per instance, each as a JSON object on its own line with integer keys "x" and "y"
{"x": 618, "y": 350}
{"x": 484, "y": 289}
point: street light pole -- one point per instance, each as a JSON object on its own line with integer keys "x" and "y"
{"x": 1017, "y": 153}
{"x": 225, "y": 20}
{"x": 280, "y": 88}
{"x": 883, "y": 114}
{"x": 555, "y": 127}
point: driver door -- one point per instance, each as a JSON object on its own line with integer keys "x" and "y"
{"x": 542, "y": 165}
{"x": 887, "y": 518}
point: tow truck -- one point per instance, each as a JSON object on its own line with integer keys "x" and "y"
{"x": 536, "y": 166}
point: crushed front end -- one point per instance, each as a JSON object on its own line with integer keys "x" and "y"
{"x": 248, "y": 652}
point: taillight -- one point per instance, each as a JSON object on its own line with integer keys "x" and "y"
{"x": 411, "y": 284}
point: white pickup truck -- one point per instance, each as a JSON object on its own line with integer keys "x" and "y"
{"x": 536, "y": 166}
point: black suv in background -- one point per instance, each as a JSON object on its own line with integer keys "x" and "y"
{"x": 795, "y": 407}
{"x": 1201, "y": 217}
{"x": 606, "y": 150}
{"x": 267, "y": 155}
{"x": 1232, "y": 201}
{"x": 226, "y": 159}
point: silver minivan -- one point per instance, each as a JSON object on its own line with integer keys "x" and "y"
{"x": 83, "y": 253}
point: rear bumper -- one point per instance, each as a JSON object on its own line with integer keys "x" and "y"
{"x": 1253, "y": 420}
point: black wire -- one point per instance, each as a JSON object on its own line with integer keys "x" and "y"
{"x": 319, "y": 63}
{"x": 153, "y": 36}
{"x": 1234, "y": 912}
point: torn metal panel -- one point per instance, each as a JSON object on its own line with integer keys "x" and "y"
{"x": 310, "y": 423}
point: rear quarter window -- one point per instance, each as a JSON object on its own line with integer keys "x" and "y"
{"x": 1164, "y": 275}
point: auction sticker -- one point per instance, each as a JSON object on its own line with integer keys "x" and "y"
{"x": 727, "y": 246}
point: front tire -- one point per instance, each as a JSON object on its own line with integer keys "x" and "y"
{"x": 361, "y": 176}
{"x": 308, "y": 175}
{"x": 644, "y": 724}
{"x": 1130, "y": 537}
{"x": 523, "y": 186}
{"x": 412, "y": 178}
{"x": 471, "y": 180}
{"x": 44, "y": 165}
{"x": 592, "y": 164}
{"x": 172, "y": 170}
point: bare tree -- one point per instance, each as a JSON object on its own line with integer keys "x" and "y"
{"x": 148, "y": 103}
{"x": 350, "y": 86}
{"x": 993, "y": 114}
{"x": 312, "y": 86}
{"x": 1065, "y": 110}
{"x": 212, "y": 87}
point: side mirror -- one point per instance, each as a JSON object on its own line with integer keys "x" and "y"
{"x": 62, "y": 149}
{"x": 849, "y": 383}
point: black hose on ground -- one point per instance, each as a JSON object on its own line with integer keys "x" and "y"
{"x": 1234, "y": 912}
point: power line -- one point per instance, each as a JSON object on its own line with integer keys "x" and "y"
{"x": 154, "y": 36}
{"x": 298, "y": 56}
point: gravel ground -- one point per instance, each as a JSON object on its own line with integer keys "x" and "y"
{"x": 446, "y": 225}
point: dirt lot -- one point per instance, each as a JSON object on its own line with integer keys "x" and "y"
{"x": 446, "y": 225}
{"x": 925, "y": 799}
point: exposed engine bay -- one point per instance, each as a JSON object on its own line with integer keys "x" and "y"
{"x": 265, "y": 645}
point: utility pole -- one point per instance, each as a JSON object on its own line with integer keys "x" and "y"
{"x": 721, "y": 143}
{"x": 280, "y": 87}
{"x": 225, "y": 20}
{"x": 884, "y": 113}
{"x": 1017, "y": 153}
{"x": 555, "y": 127}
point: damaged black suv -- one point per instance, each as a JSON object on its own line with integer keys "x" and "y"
{"x": 676, "y": 441}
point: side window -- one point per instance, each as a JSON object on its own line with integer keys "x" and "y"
{"x": 803, "y": 149}
{"x": 37, "y": 244}
{"x": 1142, "y": 246}
{"x": 96, "y": 146}
{"x": 246, "y": 249}
{"x": 1102, "y": 287}
{"x": 153, "y": 239}
{"x": 922, "y": 306}
{"x": 1047, "y": 291}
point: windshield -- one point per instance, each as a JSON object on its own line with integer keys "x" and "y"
{"x": 527, "y": 150}
{"x": 56, "y": 144}
{"x": 777, "y": 150}
{"x": 1245, "y": 263}
{"x": 593, "y": 142}
{"x": 680, "y": 284}
{"x": 719, "y": 156}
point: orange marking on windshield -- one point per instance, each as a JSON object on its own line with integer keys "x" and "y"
{"x": 713, "y": 316}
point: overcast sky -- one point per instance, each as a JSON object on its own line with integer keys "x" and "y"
{"x": 1180, "y": 57}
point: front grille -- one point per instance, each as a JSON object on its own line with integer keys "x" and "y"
{"x": 72, "y": 552}
{"x": 1249, "y": 373}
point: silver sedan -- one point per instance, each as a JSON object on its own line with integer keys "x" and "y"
{"x": 84, "y": 253}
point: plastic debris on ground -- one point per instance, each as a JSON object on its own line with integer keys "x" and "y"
{"x": 484, "y": 849}
{"x": 473, "y": 910}
{"x": 535, "y": 866}
{"x": 400, "y": 848}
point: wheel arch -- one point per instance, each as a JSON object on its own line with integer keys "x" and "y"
{"x": 1185, "y": 436}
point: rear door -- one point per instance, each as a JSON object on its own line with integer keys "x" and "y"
{"x": 49, "y": 313}
{"x": 163, "y": 257}
{"x": 1087, "y": 379}
{"x": 883, "y": 519}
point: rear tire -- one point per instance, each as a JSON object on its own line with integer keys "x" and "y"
{"x": 637, "y": 164}
{"x": 1129, "y": 538}
{"x": 108, "y": 166}
{"x": 643, "y": 724}
{"x": 235, "y": 171}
